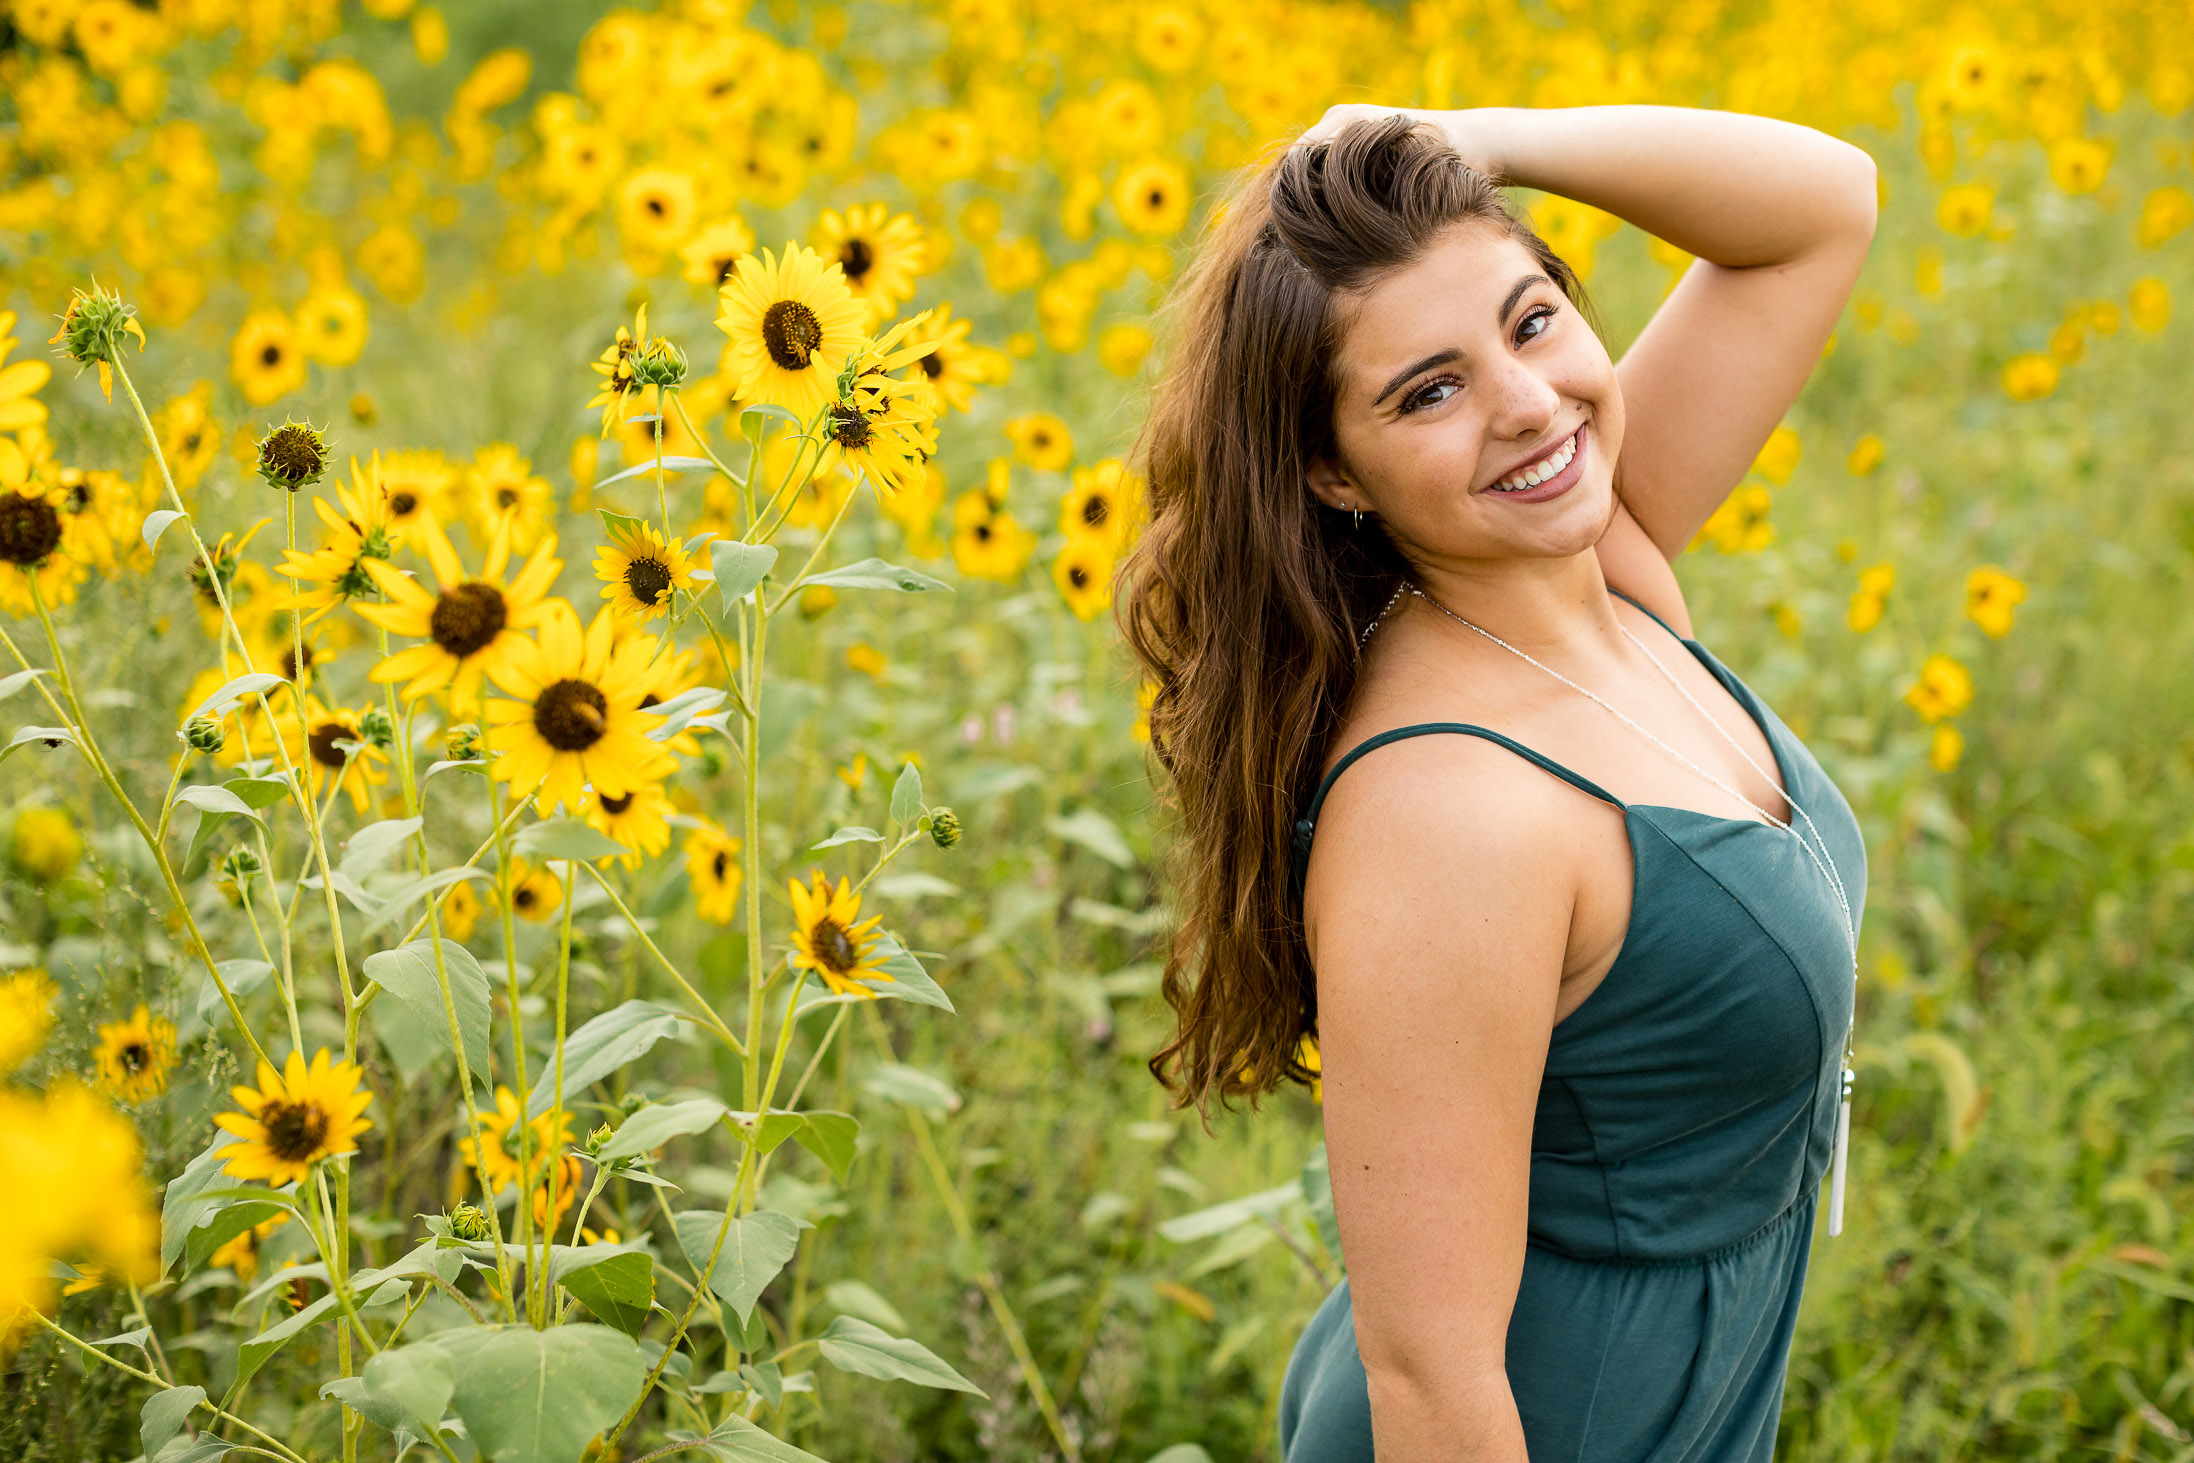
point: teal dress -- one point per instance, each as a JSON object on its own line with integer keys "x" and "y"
{"x": 1684, "y": 1125}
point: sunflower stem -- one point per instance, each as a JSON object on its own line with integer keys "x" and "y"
{"x": 556, "y": 1110}
{"x": 709, "y": 1018}
{"x": 523, "y": 1211}
{"x": 678, "y": 404}
{"x": 820, "y": 545}
{"x": 144, "y": 1376}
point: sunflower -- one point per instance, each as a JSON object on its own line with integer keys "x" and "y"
{"x": 615, "y": 366}
{"x": 880, "y": 255}
{"x": 470, "y": 626}
{"x": 884, "y": 431}
{"x": 241, "y": 1254}
{"x": 297, "y": 1117}
{"x": 134, "y": 1055}
{"x": 332, "y": 747}
{"x": 1083, "y": 572}
{"x": 534, "y": 893}
{"x": 189, "y": 436}
{"x": 793, "y": 323}
{"x": 460, "y": 911}
{"x": 331, "y": 325}
{"x": 418, "y": 485}
{"x": 914, "y": 508}
{"x": 1104, "y": 504}
{"x": 1042, "y": 441}
{"x": 501, "y": 487}
{"x": 26, "y": 1011}
{"x": 638, "y": 819}
{"x": 951, "y": 366}
{"x": 712, "y": 867}
{"x": 986, "y": 543}
{"x": 713, "y": 254}
{"x": 826, "y": 940}
{"x": 248, "y": 588}
{"x": 266, "y": 359}
{"x": 34, "y": 537}
{"x": 20, "y": 383}
{"x": 655, "y": 210}
{"x": 570, "y": 1178}
{"x": 359, "y": 531}
{"x": 641, "y": 571}
{"x": 493, "y": 1150}
{"x": 669, "y": 675}
{"x": 1152, "y": 196}
{"x": 571, "y": 713}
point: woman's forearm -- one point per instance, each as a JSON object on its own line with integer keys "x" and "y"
{"x": 1730, "y": 187}
{"x": 1419, "y": 1417}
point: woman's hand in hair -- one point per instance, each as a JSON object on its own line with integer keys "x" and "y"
{"x": 1469, "y": 131}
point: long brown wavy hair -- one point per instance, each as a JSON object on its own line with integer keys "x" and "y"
{"x": 1244, "y": 596}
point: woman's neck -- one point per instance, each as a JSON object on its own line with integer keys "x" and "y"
{"x": 1534, "y": 604}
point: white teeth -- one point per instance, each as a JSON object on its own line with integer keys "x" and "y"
{"x": 1532, "y": 477}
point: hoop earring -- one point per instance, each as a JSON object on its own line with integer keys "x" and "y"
{"x": 1359, "y": 517}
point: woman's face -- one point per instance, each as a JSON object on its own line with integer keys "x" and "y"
{"x": 1457, "y": 373}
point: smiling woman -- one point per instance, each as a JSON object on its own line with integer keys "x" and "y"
{"x": 1582, "y": 1034}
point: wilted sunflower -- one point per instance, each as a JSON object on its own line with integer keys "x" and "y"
{"x": 793, "y": 323}
{"x": 297, "y": 1117}
{"x": 360, "y": 531}
{"x": 639, "y": 819}
{"x": 493, "y": 1152}
{"x": 134, "y": 1055}
{"x": 322, "y": 751}
{"x": 470, "y": 626}
{"x": 881, "y": 255}
{"x": 712, "y": 867}
{"x": 572, "y": 716}
{"x": 826, "y": 940}
{"x": 640, "y": 570}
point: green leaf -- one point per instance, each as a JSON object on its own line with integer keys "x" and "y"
{"x": 565, "y": 838}
{"x": 876, "y": 574}
{"x": 9, "y": 685}
{"x": 205, "y": 1450}
{"x": 407, "y": 973}
{"x": 619, "y": 524}
{"x": 617, "y": 1036}
{"x": 400, "y": 899}
{"x": 243, "y": 977}
{"x": 253, "y": 1354}
{"x": 829, "y": 1136}
{"x": 352, "y": 1393}
{"x": 156, "y": 523}
{"x": 1181, "y": 1453}
{"x": 736, "y": 1440}
{"x": 768, "y": 412}
{"x": 740, "y": 566}
{"x": 185, "y": 1205}
{"x": 849, "y": 835}
{"x": 531, "y": 1396}
{"x": 259, "y": 792}
{"x": 415, "y": 1379}
{"x": 1095, "y": 832}
{"x": 755, "y": 1248}
{"x": 856, "y": 1299}
{"x": 1219, "y": 1218}
{"x": 657, "y": 1123}
{"x": 913, "y": 1087}
{"x": 364, "y": 850}
{"x": 207, "y": 798}
{"x": 909, "y": 981}
{"x": 620, "y": 1290}
{"x": 906, "y": 796}
{"x": 232, "y": 1219}
{"x": 52, "y": 736}
{"x": 854, "y": 1345}
{"x": 765, "y": 1132}
{"x": 163, "y": 1414}
{"x": 232, "y": 692}
{"x": 670, "y": 464}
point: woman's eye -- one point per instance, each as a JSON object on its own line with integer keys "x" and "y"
{"x": 1544, "y": 313}
{"x": 1422, "y": 397}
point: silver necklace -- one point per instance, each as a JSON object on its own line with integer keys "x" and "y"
{"x": 1822, "y": 860}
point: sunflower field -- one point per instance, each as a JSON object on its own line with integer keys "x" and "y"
{"x": 579, "y": 871}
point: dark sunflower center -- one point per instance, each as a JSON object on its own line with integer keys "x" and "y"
{"x": 982, "y": 532}
{"x": 834, "y": 947}
{"x": 849, "y": 427}
{"x": 506, "y": 497}
{"x": 323, "y": 740}
{"x": 1096, "y": 510}
{"x": 467, "y": 619}
{"x": 135, "y": 1058}
{"x": 647, "y": 579}
{"x": 933, "y": 365}
{"x": 856, "y": 258}
{"x": 719, "y": 864}
{"x": 727, "y": 265}
{"x": 614, "y": 806}
{"x": 270, "y": 355}
{"x": 1078, "y": 576}
{"x": 403, "y": 504}
{"x": 79, "y": 497}
{"x": 524, "y": 898}
{"x": 295, "y": 1130}
{"x": 30, "y": 529}
{"x": 291, "y": 453}
{"x": 1156, "y": 198}
{"x": 657, "y": 207}
{"x": 791, "y": 334}
{"x": 289, "y": 662}
{"x": 571, "y": 715}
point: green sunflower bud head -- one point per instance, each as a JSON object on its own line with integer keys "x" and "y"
{"x": 376, "y": 728}
{"x": 470, "y": 1222}
{"x": 204, "y": 734}
{"x": 944, "y": 827}
{"x": 658, "y": 363}
{"x": 93, "y": 326}
{"x": 293, "y": 456}
{"x": 598, "y": 1137}
{"x": 631, "y": 1103}
{"x": 462, "y": 743}
{"x": 240, "y": 865}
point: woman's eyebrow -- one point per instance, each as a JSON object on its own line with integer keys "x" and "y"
{"x": 1441, "y": 358}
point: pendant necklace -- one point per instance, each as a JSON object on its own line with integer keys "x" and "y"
{"x": 1822, "y": 860}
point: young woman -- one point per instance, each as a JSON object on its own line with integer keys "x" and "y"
{"x": 1577, "y": 933}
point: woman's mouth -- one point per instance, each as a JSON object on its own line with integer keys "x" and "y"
{"x": 1549, "y": 477}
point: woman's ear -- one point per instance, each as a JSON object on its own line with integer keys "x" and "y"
{"x": 1332, "y": 486}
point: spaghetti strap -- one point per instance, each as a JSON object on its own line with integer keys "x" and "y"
{"x": 1306, "y": 826}
{"x": 1656, "y": 619}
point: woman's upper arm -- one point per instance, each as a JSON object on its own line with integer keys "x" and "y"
{"x": 1444, "y": 898}
{"x": 1714, "y": 371}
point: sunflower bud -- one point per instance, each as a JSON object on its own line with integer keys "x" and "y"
{"x": 469, "y": 1222}
{"x": 204, "y": 734}
{"x": 93, "y": 325}
{"x": 944, "y": 827}
{"x": 462, "y": 743}
{"x": 631, "y": 1103}
{"x": 659, "y": 363}
{"x": 293, "y": 456}
{"x": 598, "y": 1137}
{"x": 376, "y": 728}
{"x": 240, "y": 865}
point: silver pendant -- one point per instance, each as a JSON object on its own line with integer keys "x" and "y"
{"x": 1841, "y": 1161}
